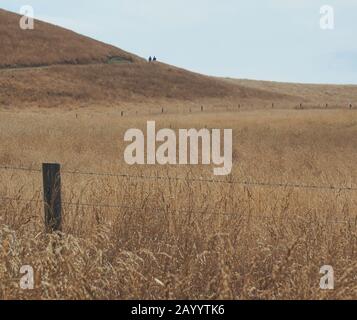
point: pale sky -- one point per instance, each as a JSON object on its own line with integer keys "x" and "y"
{"x": 278, "y": 40}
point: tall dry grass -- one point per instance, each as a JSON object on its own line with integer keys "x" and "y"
{"x": 182, "y": 239}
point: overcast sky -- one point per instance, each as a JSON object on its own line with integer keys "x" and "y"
{"x": 277, "y": 40}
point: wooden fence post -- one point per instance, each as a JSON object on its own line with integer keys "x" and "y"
{"x": 52, "y": 196}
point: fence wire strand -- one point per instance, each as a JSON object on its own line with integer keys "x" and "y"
{"x": 211, "y": 212}
{"x": 185, "y": 179}
{"x": 198, "y": 179}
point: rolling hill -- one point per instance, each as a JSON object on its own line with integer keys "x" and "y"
{"x": 51, "y": 66}
{"x": 339, "y": 95}
{"x": 54, "y": 67}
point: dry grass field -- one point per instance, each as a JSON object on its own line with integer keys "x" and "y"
{"x": 163, "y": 232}
{"x": 181, "y": 239}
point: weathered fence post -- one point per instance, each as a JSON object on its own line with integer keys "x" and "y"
{"x": 52, "y": 196}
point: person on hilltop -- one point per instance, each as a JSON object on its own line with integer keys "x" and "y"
{"x": 154, "y": 59}
{"x": 150, "y": 59}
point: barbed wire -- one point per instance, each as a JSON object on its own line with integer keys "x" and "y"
{"x": 197, "y": 179}
{"x": 212, "y": 212}
{"x": 21, "y": 200}
{"x": 115, "y": 206}
{"x": 19, "y": 169}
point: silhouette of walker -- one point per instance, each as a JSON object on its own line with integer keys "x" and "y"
{"x": 152, "y": 59}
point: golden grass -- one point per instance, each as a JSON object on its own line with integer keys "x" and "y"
{"x": 182, "y": 239}
{"x": 112, "y": 85}
{"x": 311, "y": 95}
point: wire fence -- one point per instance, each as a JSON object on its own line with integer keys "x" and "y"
{"x": 170, "y": 178}
{"x": 266, "y": 216}
{"x": 196, "y": 179}
{"x": 237, "y": 107}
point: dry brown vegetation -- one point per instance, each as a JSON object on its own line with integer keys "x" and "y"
{"x": 47, "y": 44}
{"x": 169, "y": 238}
{"x": 312, "y": 95}
{"x": 115, "y": 85}
{"x": 182, "y": 239}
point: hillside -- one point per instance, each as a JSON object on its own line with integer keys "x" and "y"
{"x": 339, "y": 95}
{"x": 54, "y": 67}
{"x": 110, "y": 84}
{"x": 51, "y": 66}
{"x": 47, "y": 44}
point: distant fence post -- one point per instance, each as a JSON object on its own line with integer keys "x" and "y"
{"x": 52, "y": 196}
